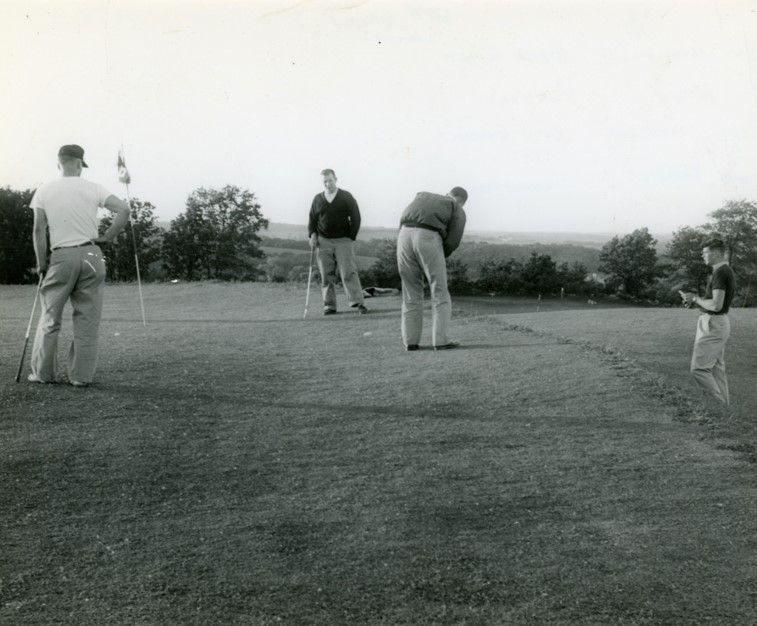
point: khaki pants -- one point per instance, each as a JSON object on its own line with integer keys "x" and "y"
{"x": 338, "y": 254}
{"x": 419, "y": 254}
{"x": 708, "y": 357}
{"x": 76, "y": 274}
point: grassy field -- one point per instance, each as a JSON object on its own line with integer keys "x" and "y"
{"x": 234, "y": 463}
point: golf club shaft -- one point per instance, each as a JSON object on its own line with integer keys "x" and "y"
{"x": 310, "y": 276}
{"x": 28, "y": 330}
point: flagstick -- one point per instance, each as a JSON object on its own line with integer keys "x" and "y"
{"x": 136, "y": 259}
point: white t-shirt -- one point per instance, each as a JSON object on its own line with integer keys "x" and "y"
{"x": 70, "y": 204}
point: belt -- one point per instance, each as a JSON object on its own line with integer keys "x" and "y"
{"x": 80, "y": 245}
{"x": 420, "y": 225}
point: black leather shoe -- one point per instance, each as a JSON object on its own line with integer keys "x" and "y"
{"x": 329, "y": 311}
{"x": 412, "y": 347}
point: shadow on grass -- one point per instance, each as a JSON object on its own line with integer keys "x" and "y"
{"x": 312, "y": 317}
{"x": 493, "y": 346}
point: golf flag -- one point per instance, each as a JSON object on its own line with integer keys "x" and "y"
{"x": 123, "y": 173}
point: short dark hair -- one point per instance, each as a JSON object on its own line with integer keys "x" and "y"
{"x": 459, "y": 193}
{"x": 328, "y": 171}
{"x": 714, "y": 243}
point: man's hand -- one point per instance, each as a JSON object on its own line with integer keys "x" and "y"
{"x": 314, "y": 240}
{"x": 102, "y": 241}
{"x": 41, "y": 270}
{"x": 688, "y": 297}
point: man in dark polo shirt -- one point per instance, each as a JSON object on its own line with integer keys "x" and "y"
{"x": 333, "y": 226}
{"x": 713, "y": 326}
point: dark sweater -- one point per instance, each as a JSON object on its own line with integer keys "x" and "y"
{"x": 339, "y": 218}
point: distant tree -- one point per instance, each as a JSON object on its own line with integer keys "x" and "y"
{"x": 186, "y": 245}
{"x": 474, "y": 253}
{"x": 384, "y": 272}
{"x": 279, "y": 268}
{"x": 216, "y": 237}
{"x": 630, "y": 262}
{"x": 501, "y": 277}
{"x": 17, "y": 260}
{"x": 736, "y": 222}
{"x": 540, "y": 275}
{"x": 572, "y": 278}
{"x": 457, "y": 276}
{"x": 688, "y": 269}
{"x": 119, "y": 256}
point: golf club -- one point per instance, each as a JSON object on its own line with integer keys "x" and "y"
{"x": 310, "y": 276}
{"x": 28, "y": 330}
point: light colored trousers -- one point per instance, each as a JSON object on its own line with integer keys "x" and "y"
{"x": 708, "y": 356}
{"x": 338, "y": 254}
{"x": 419, "y": 254}
{"x": 76, "y": 274}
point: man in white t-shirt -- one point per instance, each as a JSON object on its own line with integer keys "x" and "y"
{"x": 75, "y": 268}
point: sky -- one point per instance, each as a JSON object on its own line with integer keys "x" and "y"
{"x": 560, "y": 115}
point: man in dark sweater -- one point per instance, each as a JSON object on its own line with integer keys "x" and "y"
{"x": 713, "y": 326}
{"x": 333, "y": 226}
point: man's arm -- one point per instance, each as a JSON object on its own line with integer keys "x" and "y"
{"x": 40, "y": 240}
{"x": 121, "y": 209}
{"x": 454, "y": 231}
{"x": 713, "y": 304}
{"x": 354, "y": 218}
{"x": 708, "y": 305}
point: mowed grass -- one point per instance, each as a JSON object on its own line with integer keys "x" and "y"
{"x": 236, "y": 463}
{"x": 657, "y": 340}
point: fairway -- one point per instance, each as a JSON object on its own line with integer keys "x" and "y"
{"x": 234, "y": 463}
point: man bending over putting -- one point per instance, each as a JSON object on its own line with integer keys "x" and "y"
{"x": 75, "y": 269}
{"x": 431, "y": 228}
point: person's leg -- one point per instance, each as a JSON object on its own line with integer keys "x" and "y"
{"x": 86, "y": 299}
{"x": 56, "y": 286}
{"x": 326, "y": 257}
{"x": 434, "y": 266}
{"x": 411, "y": 275}
{"x": 718, "y": 369}
{"x": 708, "y": 347}
{"x": 344, "y": 250}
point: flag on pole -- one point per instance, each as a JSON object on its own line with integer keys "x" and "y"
{"x": 123, "y": 173}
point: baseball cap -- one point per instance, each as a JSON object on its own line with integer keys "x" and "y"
{"x": 73, "y": 150}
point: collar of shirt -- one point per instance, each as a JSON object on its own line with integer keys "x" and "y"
{"x": 717, "y": 265}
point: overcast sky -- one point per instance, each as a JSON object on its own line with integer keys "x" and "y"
{"x": 593, "y": 116}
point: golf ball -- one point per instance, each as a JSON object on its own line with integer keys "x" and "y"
{"x": 367, "y": 334}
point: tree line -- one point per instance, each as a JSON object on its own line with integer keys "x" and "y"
{"x": 214, "y": 238}
{"x": 217, "y": 237}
